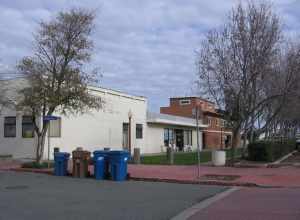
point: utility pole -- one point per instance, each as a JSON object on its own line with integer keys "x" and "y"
{"x": 196, "y": 113}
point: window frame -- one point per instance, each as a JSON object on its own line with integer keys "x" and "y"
{"x": 5, "y": 124}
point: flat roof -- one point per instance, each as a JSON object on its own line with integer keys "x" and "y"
{"x": 192, "y": 97}
{"x": 94, "y": 88}
{"x": 157, "y": 118}
{"x": 116, "y": 92}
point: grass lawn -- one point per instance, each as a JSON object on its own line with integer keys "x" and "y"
{"x": 183, "y": 158}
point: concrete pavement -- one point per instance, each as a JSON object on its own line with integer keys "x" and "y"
{"x": 274, "y": 177}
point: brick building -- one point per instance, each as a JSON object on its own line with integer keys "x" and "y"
{"x": 215, "y": 136}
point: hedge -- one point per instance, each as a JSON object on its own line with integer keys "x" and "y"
{"x": 269, "y": 151}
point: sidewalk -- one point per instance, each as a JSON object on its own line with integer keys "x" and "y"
{"x": 272, "y": 177}
{"x": 254, "y": 204}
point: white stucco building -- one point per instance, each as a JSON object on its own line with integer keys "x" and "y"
{"x": 94, "y": 130}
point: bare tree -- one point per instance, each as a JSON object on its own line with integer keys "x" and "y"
{"x": 236, "y": 64}
{"x": 286, "y": 121}
{"x": 55, "y": 74}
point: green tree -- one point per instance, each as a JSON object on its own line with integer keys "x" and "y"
{"x": 55, "y": 73}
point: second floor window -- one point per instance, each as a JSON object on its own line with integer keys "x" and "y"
{"x": 27, "y": 127}
{"x": 185, "y": 102}
{"x": 10, "y": 127}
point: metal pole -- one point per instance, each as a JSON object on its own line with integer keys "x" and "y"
{"x": 221, "y": 137}
{"x": 49, "y": 145}
{"x": 198, "y": 146}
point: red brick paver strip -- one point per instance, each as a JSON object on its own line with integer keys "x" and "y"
{"x": 254, "y": 204}
{"x": 275, "y": 177}
{"x": 6, "y": 165}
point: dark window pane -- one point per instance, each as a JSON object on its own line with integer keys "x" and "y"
{"x": 139, "y": 131}
{"x": 10, "y": 127}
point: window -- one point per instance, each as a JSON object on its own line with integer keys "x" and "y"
{"x": 10, "y": 127}
{"x": 223, "y": 123}
{"x": 139, "y": 131}
{"x": 187, "y": 138}
{"x": 209, "y": 121}
{"x": 168, "y": 136}
{"x": 217, "y": 122}
{"x": 55, "y": 128}
{"x": 27, "y": 127}
{"x": 185, "y": 102}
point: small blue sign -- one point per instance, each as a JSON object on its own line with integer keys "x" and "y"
{"x": 50, "y": 118}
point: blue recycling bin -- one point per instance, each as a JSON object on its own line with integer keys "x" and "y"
{"x": 118, "y": 164}
{"x": 99, "y": 170}
{"x": 101, "y": 167}
{"x": 61, "y": 163}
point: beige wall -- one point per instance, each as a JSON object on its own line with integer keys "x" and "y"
{"x": 17, "y": 146}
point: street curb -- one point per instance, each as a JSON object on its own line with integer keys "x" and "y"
{"x": 32, "y": 170}
{"x": 196, "y": 182}
{"x": 283, "y": 158}
{"x": 189, "y": 212}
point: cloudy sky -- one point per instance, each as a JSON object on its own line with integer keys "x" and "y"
{"x": 143, "y": 47}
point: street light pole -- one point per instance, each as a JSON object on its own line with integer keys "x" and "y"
{"x": 49, "y": 145}
{"x": 129, "y": 131}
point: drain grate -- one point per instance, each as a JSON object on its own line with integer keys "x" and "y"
{"x": 16, "y": 187}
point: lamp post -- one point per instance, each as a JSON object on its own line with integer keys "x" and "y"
{"x": 129, "y": 130}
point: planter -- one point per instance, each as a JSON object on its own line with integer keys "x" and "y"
{"x": 219, "y": 158}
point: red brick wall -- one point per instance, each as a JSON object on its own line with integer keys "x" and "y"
{"x": 212, "y": 139}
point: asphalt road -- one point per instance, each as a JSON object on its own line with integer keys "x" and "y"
{"x": 38, "y": 196}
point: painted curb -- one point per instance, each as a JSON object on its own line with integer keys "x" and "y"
{"x": 189, "y": 212}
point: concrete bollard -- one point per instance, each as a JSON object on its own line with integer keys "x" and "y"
{"x": 137, "y": 155}
{"x": 170, "y": 155}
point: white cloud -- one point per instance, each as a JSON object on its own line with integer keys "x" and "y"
{"x": 143, "y": 47}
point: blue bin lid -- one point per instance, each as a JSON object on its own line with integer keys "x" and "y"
{"x": 61, "y": 154}
{"x": 119, "y": 152}
{"x": 100, "y": 152}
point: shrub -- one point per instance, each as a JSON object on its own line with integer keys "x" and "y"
{"x": 269, "y": 151}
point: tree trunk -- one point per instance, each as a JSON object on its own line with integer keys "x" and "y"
{"x": 40, "y": 145}
{"x": 235, "y": 142}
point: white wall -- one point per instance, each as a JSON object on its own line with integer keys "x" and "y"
{"x": 104, "y": 128}
{"x": 155, "y": 137}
